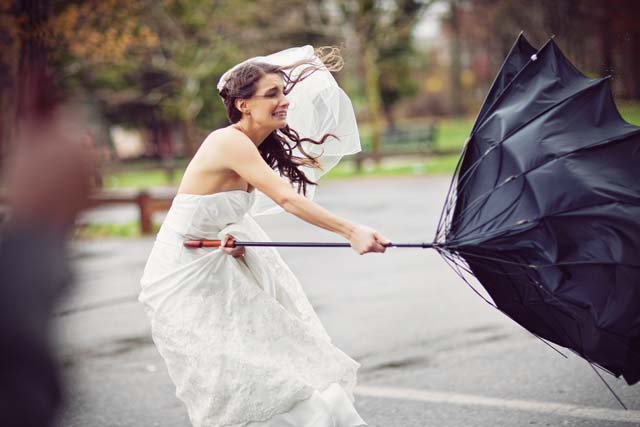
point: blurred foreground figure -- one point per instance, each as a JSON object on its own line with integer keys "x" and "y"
{"x": 47, "y": 180}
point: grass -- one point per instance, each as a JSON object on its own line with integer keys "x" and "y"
{"x": 452, "y": 133}
{"x": 141, "y": 179}
{"x": 435, "y": 165}
{"x": 450, "y": 136}
{"x": 630, "y": 112}
{"x": 99, "y": 231}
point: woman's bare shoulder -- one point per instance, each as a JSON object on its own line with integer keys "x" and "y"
{"x": 225, "y": 140}
{"x": 226, "y": 135}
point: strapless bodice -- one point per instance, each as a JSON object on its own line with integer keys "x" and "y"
{"x": 203, "y": 216}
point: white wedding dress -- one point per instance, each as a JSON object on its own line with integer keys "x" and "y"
{"x": 241, "y": 341}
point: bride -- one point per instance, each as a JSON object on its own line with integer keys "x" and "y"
{"x": 240, "y": 339}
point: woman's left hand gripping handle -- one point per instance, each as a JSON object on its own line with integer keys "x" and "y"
{"x": 228, "y": 248}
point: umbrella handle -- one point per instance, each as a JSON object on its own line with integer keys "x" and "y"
{"x": 231, "y": 243}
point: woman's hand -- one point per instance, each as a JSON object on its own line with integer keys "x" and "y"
{"x": 234, "y": 252}
{"x": 364, "y": 239}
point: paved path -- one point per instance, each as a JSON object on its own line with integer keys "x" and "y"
{"x": 432, "y": 352}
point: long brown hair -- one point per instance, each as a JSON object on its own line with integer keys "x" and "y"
{"x": 275, "y": 150}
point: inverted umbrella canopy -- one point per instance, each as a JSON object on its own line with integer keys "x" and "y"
{"x": 544, "y": 208}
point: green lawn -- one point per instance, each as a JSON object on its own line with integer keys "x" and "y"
{"x": 141, "y": 179}
{"x": 449, "y": 138}
{"x": 444, "y": 164}
{"x": 452, "y": 133}
{"x": 630, "y": 112}
{"x": 99, "y": 231}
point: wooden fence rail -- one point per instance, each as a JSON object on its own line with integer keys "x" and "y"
{"x": 147, "y": 204}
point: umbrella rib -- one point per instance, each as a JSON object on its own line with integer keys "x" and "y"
{"x": 542, "y": 320}
{"x": 461, "y": 183}
{"x": 449, "y": 262}
{"x": 528, "y": 293}
{"x": 444, "y": 223}
{"x": 500, "y": 260}
{"x": 607, "y": 385}
{"x": 461, "y": 263}
{"x": 464, "y": 180}
{"x": 539, "y": 290}
{"x": 535, "y": 266}
{"x": 504, "y": 261}
{"x": 581, "y": 76}
{"x": 448, "y": 199}
{"x": 550, "y": 294}
{"x": 481, "y": 116}
{"x": 495, "y": 183}
{"x": 500, "y": 96}
{"x": 634, "y": 201}
{"x": 473, "y": 214}
{"x": 487, "y": 194}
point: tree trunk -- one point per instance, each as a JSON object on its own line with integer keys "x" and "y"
{"x": 606, "y": 42}
{"x": 36, "y": 92}
{"x": 389, "y": 117}
{"x": 635, "y": 65}
{"x": 7, "y": 115}
{"x": 188, "y": 136}
{"x": 372, "y": 90}
{"x": 456, "y": 67}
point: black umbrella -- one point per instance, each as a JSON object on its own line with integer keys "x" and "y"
{"x": 544, "y": 209}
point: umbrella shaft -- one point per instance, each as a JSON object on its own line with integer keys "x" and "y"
{"x": 328, "y": 245}
{"x": 216, "y": 243}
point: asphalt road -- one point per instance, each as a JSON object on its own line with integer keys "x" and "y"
{"x": 432, "y": 352}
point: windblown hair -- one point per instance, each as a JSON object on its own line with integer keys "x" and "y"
{"x": 275, "y": 150}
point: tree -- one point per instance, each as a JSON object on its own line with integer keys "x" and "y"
{"x": 145, "y": 62}
{"x": 383, "y": 36}
{"x": 602, "y": 38}
{"x": 28, "y": 85}
{"x": 157, "y": 63}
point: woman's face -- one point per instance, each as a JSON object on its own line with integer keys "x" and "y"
{"x": 268, "y": 106}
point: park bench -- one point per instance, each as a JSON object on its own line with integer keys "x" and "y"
{"x": 400, "y": 141}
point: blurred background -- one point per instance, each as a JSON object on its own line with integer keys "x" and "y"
{"x": 145, "y": 71}
{"x": 139, "y": 80}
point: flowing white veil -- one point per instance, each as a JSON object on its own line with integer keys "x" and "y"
{"x": 318, "y": 106}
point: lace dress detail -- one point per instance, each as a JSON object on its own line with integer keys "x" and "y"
{"x": 239, "y": 337}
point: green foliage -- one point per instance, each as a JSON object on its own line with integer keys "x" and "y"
{"x": 145, "y": 63}
{"x": 384, "y": 33}
{"x": 396, "y": 53}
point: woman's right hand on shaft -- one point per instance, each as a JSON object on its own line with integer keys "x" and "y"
{"x": 364, "y": 239}
{"x": 236, "y": 252}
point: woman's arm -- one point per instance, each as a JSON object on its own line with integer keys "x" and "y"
{"x": 242, "y": 156}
